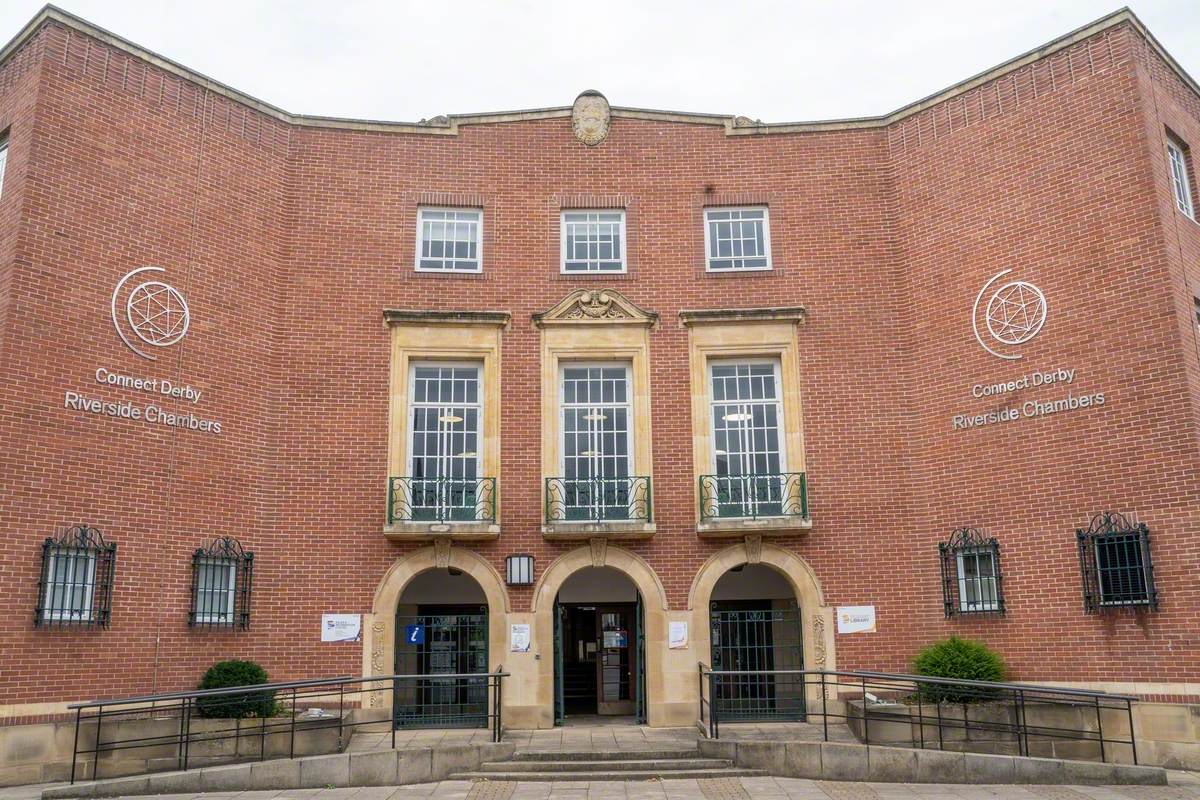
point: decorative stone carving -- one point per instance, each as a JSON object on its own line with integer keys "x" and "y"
{"x": 754, "y": 549}
{"x": 595, "y": 305}
{"x": 440, "y": 121}
{"x": 745, "y": 122}
{"x": 599, "y": 547}
{"x": 441, "y": 552}
{"x": 377, "y": 666}
{"x": 818, "y": 634}
{"x": 590, "y": 117}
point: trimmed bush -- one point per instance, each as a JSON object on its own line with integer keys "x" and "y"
{"x": 960, "y": 659}
{"x": 225, "y": 674}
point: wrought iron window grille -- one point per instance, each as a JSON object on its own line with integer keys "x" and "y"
{"x": 1114, "y": 560}
{"x": 971, "y": 578}
{"x": 76, "y": 580}
{"x": 222, "y": 576}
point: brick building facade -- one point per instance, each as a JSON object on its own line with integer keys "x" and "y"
{"x": 920, "y": 268}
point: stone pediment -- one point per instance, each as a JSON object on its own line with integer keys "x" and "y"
{"x": 595, "y": 306}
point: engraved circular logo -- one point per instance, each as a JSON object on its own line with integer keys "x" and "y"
{"x": 157, "y": 313}
{"x": 1016, "y": 312}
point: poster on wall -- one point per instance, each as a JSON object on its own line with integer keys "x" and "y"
{"x": 677, "y": 635}
{"x": 341, "y": 627}
{"x": 518, "y": 638}
{"x": 856, "y": 619}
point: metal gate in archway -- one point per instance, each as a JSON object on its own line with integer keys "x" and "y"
{"x": 447, "y": 640}
{"x": 757, "y": 636}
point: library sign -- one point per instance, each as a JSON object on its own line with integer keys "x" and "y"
{"x": 147, "y": 313}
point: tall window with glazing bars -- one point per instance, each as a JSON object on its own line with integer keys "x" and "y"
{"x": 77, "y": 579}
{"x": 222, "y": 576}
{"x": 971, "y": 581}
{"x": 1114, "y": 559}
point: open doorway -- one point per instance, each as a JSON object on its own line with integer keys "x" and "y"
{"x": 599, "y": 647}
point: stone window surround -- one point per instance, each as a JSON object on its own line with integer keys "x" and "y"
{"x": 724, "y": 334}
{"x": 466, "y": 336}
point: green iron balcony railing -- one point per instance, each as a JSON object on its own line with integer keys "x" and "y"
{"x": 441, "y": 500}
{"x": 598, "y": 499}
{"x": 753, "y": 496}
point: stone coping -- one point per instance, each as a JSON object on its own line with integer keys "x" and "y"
{"x": 834, "y": 761}
{"x": 371, "y": 768}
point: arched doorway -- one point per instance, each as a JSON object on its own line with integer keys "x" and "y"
{"x": 756, "y": 628}
{"x": 599, "y": 647}
{"x": 441, "y": 628}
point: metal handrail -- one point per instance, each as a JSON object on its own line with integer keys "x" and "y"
{"x": 1017, "y": 697}
{"x": 332, "y": 692}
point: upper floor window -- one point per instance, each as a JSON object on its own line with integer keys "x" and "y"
{"x": 737, "y": 239}
{"x": 221, "y": 580}
{"x": 593, "y": 241}
{"x": 1177, "y": 153}
{"x": 970, "y": 573}
{"x": 449, "y": 240}
{"x": 444, "y": 426}
{"x": 3, "y": 159}
{"x": 1114, "y": 557}
{"x": 76, "y": 584}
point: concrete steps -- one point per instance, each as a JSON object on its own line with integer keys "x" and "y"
{"x": 631, "y": 765}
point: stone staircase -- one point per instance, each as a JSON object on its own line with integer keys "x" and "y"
{"x": 613, "y": 765}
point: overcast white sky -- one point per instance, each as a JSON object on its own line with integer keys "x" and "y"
{"x": 777, "y": 61}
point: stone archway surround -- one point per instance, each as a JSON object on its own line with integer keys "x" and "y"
{"x": 817, "y": 618}
{"x": 379, "y": 627}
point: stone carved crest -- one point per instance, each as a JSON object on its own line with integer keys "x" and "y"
{"x": 441, "y": 552}
{"x": 754, "y": 549}
{"x": 590, "y": 117}
{"x": 596, "y": 305}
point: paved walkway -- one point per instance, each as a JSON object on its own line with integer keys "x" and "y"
{"x": 1185, "y": 786}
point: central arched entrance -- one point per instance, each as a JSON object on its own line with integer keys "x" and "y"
{"x": 599, "y": 647}
{"x": 441, "y": 628}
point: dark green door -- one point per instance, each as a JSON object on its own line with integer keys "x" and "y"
{"x": 446, "y": 640}
{"x": 559, "y": 613}
{"x": 641, "y": 662}
{"x": 758, "y": 636}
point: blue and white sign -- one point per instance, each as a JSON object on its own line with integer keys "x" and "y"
{"x": 341, "y": 627}
{"x": 415, "y": 634}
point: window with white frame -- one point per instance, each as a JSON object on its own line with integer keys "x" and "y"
{"x": 216, "y": 582}
{"x": 76, "y": 582}
{"x": 3, "y": 159}
{"x": 593, "y": 241}
{"x": 449, "y": 240}
{"x": 971, "y": 573}
{"x": 976, "y": 580}
{"x": 749, "y": 463}
{"x": 444, "y": 417}
{"x": 1177, "y": 155}
{"x": 596, "y": 445}
{"x": 70, "y": 585}
{"x": 737, "y": 239}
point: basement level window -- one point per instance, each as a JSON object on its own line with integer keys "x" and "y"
{"x": 76, "y": 584}
{"x": 1114, "y": 558}
{"x": 221, "y": 580}
{"x": 449, "y": 240}
{"x": 1177, "y": 155}
{"x": 971, "y": 574}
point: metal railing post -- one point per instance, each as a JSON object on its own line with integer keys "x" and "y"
{"x": 1132, "y": 735}
{"x": 187, "y": 730}
{"x": 96, "y": 753}
{"x": 866, "y": 721}
{"x": 395, "y": 694}
{"x": 941, "y": 741}
{"x": 714, "y": 727}
{"x": 182, "y": 737}
{"x": 342, "y": 713}
{"x": 75, "y": 747}
{"x": 1100, "y": 730}
{"x": 824, "y": 708}
{"x": 292, "y": 738}
{"x": 1024, "y": 732}
{"x": 920, "y": 717}
{"x": 1017, "y": 726}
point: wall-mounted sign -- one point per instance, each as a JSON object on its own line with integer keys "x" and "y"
{"x": 1014, "y": 314}
{"x": 856, "y": 619}
{"x": 518, "y": 638}
{"x": 414, "y": 634}
{"x": 677, "y": 635}
{"x": 1029, "y": 407}
{"x": 341, "y": 627}
{"x": 154, "y": 312}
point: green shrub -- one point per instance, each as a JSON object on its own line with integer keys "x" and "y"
{"x": 961, "y": 659}
{"x": 224, "y": 674}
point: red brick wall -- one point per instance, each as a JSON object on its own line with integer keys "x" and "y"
{"x": 289, "y": 243}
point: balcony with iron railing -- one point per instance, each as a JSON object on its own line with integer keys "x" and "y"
{"x": 736, "y": 505}
{"x": 587, "y": 507}
{"x": 462, "y": 508}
